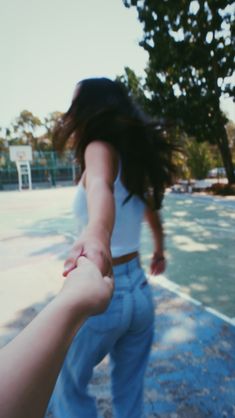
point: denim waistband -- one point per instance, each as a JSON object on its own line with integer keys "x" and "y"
{"x": 126, "y": 268}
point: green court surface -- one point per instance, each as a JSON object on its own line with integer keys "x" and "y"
{"x": 200, "y": 244}
{"x": 37, "y": 229}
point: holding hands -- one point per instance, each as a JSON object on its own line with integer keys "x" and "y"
{"x": 93, "y": 244}
{"x": 85, "y": 290}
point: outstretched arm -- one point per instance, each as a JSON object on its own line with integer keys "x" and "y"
{"x": 29, "y": 364}
{"x": 101, "y": 169}
{"x": 158, "y": 263}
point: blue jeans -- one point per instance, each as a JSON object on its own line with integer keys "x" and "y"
{"x": 125, "y": 331}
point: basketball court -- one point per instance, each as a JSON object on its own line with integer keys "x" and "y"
{"x": 192, "y": 368}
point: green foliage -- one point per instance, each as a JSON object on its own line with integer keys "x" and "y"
{"x": 135, "y": 86}
{"x": 191, "y": 57}
{"x": 223, "y": 189}
{"x": 199, "y": 160}
{"x": 49, "y": 123}
{"x": 2, "y": 141}
{"x": 28, "y": 129}
{"x": 25, "y": 127}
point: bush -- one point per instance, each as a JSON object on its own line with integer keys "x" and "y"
{"x": 199, "y": 159}
{"x": 223, "y": 189}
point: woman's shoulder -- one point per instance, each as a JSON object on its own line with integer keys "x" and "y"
{"x": 102, "y": 157}
{"x": 101, "y": 147}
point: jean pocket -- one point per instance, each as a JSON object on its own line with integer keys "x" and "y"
{"x": 110, "y": 319}
{"x": 147, "y": 305}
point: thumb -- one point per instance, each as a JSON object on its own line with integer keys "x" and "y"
{"x": 71, "y": 262}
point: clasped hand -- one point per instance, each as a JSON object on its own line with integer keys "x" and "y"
{"x": 86, "y": 290}
{"x": 94, "y": 247}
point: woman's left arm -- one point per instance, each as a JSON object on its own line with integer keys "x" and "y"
{"x": 101, "y": 169}
{"x": 158, "y": 263}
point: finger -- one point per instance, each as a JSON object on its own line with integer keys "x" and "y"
{"x": 161, "y": 267}
{"x": 110, "y": 272}
{"x": 68, "y": 270}
{"x": 110, "y": 283}
{"x": 71, "y": 262}
{"x": 108, "y": 280}
{"x": 153, "y": 267}
{"x": 80, "y": 261}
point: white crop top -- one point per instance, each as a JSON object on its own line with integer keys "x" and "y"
{"x": 128, "y": 217}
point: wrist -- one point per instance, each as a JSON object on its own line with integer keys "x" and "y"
{"x": 159, "y": 251}
{"x": 71, "y": 308}
{"x": 100, "y": 232}
{"x": 159, "y": 255}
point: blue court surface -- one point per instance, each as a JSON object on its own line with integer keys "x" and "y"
{"x": 191, "y": 373}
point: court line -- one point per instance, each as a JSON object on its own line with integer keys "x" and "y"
{"x": 173, "y": 287}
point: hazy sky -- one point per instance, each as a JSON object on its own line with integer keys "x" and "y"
{"x": 46, "y": 46}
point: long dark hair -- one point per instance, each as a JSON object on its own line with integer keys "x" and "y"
{"x": 103, "y": 110}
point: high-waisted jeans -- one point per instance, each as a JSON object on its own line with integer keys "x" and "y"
{"x": 125, "y": 331}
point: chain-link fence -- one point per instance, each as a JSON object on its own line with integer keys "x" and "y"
{"x": 47, "y": 169}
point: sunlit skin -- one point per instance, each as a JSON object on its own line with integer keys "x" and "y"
{"x": 26, "y": 384}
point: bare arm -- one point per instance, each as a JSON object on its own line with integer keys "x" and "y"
{"x": 99, "y": 179}
{"x": 29, "y": 364}
{"x": 101, "y": 169}
{"x": 154, "y": 220}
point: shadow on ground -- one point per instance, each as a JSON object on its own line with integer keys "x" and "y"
{"x": 191, "y": 373}
{"x": 21, "y": 319}
{"x": 200, "y": 241}
{"x": 49, "y": 236}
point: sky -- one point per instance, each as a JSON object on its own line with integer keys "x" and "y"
{"x": 47, "y": 46}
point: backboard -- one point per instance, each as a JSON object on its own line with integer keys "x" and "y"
{"x": 21, "y": 153}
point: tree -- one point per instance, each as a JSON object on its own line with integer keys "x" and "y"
{"x": 230, "y": 129}
{"x": 3, "y": 140}
{"x": 25, "y": 129}
{"x": 199, "y": 159}
{"x": 191, "y": 50}
{"x": 49, "y": 123}
{"x": 134, "y": 86}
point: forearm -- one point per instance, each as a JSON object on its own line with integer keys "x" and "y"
{"x": 154, "y": 220}
{"x": 101, "y": 209}
{"x": 29, "y": 365}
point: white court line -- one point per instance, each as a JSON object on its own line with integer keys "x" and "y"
{"x": 224, "y": 201}
{"x": 173, "y": 287}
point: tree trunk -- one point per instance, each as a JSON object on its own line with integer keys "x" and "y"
{"x": 222, "y": 142}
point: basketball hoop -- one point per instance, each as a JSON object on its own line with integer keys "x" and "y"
{"x": 22, "y": 155}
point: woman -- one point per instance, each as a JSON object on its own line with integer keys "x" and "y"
{"x": 126, "y": 163}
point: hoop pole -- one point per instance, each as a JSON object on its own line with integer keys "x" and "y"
{"x": 23, "y": 168}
